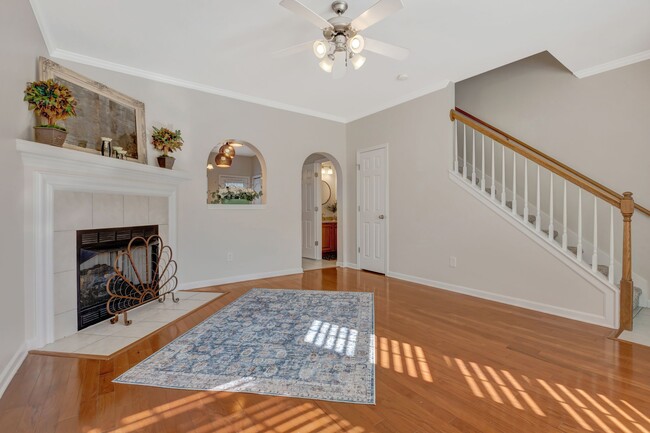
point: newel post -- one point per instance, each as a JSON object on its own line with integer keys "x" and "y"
{"x": 627, "y": 285}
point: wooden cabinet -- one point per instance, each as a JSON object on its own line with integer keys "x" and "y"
{"x": 329, "y": 237}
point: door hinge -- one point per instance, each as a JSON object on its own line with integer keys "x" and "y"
{"x": 359, "y": 208}
{"x": 315, "y": 174}
{"x": 316, "y": 243}
{"x": 359, "y": 249}
{"x": 316, "y": 209}
{"x": 358, "y": 166}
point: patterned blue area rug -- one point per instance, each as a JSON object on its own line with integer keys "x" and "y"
{"x": 293, "y": 343}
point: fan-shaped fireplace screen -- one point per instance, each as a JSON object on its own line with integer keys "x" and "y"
{"x": 144, "y": 272}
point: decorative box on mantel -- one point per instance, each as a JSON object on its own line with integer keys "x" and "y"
{"x": 51, "y": 172}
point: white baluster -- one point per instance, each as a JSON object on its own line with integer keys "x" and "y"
{"x": 611, "y": 245}
{"x": 538, "y": 215}
{"x": 503, "y": 176}
{"x": 526, "y": 211}
{"x": 551, "y": 227}
{"x": 514, "y": 182}
{"x": 579, "y": 247}
{"x": 482, "y": 162}
{"x": 565, "y": 236}
{"x": 464, "y": 150}
{"x": 473, "y": 158}
{"x": 455, "y": 146}
{"x": 594, "y": 256}
{"x": 493, "y": 192}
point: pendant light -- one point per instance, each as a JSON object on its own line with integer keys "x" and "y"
{"x": 227, "y": 150}
{"x": 222, "y": 160}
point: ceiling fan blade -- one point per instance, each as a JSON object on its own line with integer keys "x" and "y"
{"x": 376, "y": 13}
{"x": 295, "y": 49}
{"x": 300, "y": 9}
{"x": 385, "y": 49}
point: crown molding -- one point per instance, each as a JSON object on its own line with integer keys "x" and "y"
{"x": 154, "y": 76}
{"x": 614, "y": 64}
{"x": 40, "y": 20}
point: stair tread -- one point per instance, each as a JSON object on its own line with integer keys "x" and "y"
{"x": 555, "y": 233}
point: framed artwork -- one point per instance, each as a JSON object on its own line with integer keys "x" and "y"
{"x": 101, "y": 112}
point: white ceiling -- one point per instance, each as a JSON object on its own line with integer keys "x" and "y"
{"x": 225, "y": 47}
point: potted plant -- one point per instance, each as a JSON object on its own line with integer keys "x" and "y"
{"x": 166, "y": 141}
{"x": 234, "y": 195}
{"x": 52, "y": 101}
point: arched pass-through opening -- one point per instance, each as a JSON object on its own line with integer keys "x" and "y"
{"x": 236, "y": 175}
{"x": 321, "y": 215}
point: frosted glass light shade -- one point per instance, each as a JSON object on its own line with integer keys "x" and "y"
{"x": 357, "y": 61}
{"x": 320, "y": 49}
{"x": 326, "y": 64}
{"x": 356, "y": 44}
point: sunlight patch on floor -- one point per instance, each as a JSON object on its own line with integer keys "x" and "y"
{"x": 591, "y": 412}
{"x": 403, "y": 358}
{"x": 266, "y": 416}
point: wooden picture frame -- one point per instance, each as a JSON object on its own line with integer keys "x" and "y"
{"x": 101, "y": 112}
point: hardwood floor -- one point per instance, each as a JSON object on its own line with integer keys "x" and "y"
{"x": 445, "y": 363}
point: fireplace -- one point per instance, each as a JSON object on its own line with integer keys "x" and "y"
{"x": 96, "y": 253}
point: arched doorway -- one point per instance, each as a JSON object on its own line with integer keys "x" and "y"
{"x": 320, "y": 214}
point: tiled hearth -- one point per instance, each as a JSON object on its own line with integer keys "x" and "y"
{"x": 104, "y": 338}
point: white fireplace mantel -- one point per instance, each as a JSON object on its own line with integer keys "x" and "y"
{"x": 48, "y": 169}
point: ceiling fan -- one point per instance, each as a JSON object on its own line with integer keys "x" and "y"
{"x": 342, "y": 42}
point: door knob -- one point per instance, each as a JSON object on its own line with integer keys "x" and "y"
{"x": 381, "y": 217}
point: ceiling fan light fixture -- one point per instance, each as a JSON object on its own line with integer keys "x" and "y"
{"x": 320, "y": 49}
{"x": 356, "y": 43}
{"x": 358, "y": 61}
{"x": 327, "y": 64}
{"x": 222, "y": 160}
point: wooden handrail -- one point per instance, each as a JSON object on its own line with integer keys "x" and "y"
{"x": 606, "y": 194}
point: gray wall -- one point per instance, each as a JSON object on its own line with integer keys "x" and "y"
{"x": 262, "y": 240}
{"x": 431, "y": 218}
{"x": 598, "y": 125}
{"x": 21, "y": 45}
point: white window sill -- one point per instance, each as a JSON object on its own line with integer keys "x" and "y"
{"x": 237, "y": 206}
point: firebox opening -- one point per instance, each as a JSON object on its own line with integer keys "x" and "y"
{"x": 97, "y": 250}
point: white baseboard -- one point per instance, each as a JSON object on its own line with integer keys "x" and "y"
{"x": 517, "y": 302}
{"x": 238, "y": 279}
{"x": 350, "y": 265}
{"x": 10, "y": 369}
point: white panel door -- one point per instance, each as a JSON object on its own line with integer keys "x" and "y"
{"x": 311, "y": 212}
{"x": 372, "y": 210}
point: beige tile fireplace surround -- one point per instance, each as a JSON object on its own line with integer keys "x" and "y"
{"x": 83, "y": 210}
{"x": 72, "y": 191}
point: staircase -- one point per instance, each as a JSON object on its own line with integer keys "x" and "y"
{"x": 585, "y": 221}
